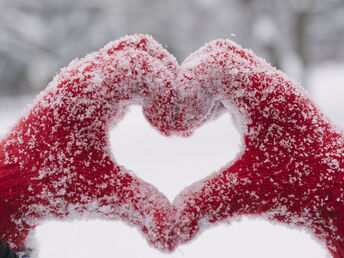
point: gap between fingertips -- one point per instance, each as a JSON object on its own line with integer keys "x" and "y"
{"x": 172, "y": 163}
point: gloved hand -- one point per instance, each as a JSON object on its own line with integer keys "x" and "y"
{"x": 56, "y": 163}
{"x": 290, "y": 168}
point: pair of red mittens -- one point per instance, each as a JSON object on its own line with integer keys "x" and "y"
{"x": 56, "y": 162}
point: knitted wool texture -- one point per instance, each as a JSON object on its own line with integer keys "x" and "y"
{"x": 291, "y": 165}
{"x": 56, "y": 163}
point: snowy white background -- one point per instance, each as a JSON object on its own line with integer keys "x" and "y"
{"x": 171, "y": 164}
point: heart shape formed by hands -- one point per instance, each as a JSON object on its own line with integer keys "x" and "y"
{"x": 56, "y": 163}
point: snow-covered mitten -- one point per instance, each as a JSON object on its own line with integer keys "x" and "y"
{"x": 291, "y": 166}
{"x": 56, "y": 163}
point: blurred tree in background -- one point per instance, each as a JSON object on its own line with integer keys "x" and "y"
{"x": 38, "y": 37}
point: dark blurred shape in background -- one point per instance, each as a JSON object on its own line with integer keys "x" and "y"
{"x": 38, "y": 37}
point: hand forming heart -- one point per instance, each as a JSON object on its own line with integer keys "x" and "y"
{"x": 291, "y": 165}
{"x": 56, "y": 162}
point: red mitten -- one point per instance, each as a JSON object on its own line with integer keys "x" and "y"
{"x": 56, "y": 163}
{"x": 291, "y": 165}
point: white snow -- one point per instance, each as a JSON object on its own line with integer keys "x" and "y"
{"x": 171, "y": 164}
